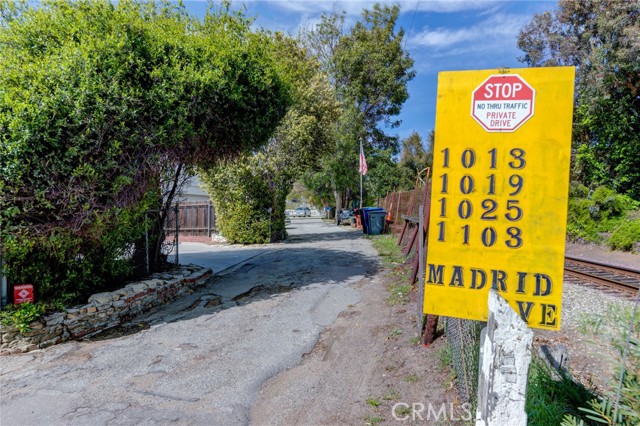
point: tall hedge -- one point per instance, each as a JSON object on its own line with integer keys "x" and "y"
{"x": 99, "y": 102}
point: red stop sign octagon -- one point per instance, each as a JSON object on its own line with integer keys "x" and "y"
{"x": 502, "y": 103}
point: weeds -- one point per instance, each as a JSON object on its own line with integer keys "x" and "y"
{"x": 388, "y": 250}
{"x": 619, "y": 327}
{"x": 411, "y": 378}
{"x": 374, "y": 402}
{"x": 392, "y": 395}
{"x": 402, "y": 411}
{"x": 395, "y": 332}
{"x": 373, "y": 420}
{"x": 548, "y": 400}
{"x": 392, "y": 257}
{"x": 444, "y": 355}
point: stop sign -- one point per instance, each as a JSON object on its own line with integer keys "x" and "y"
{"x": 502, "y": 103}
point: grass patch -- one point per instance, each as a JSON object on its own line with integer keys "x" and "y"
{"x": 374, "y": 402}
{"x": 392, "y": 257}
{"x": 388, "y": 249}
{"x": 549, "y": 400}
{"x": 402, "y": 410}
{"x": 444, "y": 356}
{"x": 399, "y": 292}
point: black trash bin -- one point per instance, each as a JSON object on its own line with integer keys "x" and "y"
{"x": 376, "y": 222}
{"x": 364, "y": 217}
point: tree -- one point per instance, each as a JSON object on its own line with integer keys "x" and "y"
{"x": 414, "y": 159}
{"x": 250, "y": 192}
{"x": 600, "y": 38}
{"x": 370, "y": 70}
{"x": 103, "y": 106}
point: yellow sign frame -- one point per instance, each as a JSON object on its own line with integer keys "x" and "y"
{"x": 499, "y": 201}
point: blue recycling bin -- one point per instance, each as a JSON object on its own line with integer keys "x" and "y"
{"x": 364, "y": 217}
{"x": 376, "y": 222}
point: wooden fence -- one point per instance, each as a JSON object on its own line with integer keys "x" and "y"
{"x": 195, "y": 219}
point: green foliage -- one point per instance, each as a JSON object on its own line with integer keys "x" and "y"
{"x": 370, "y": 70}
{"x": 414, "y": 159}
{"x": 384, "y": 175}
{"x": 67, "y": 268}
{"x": 549, "y": 400}
{"x": 599, "y": 38}
{"x": 625, "y": 235}
{"x": 602, "y": 212}
{"x": 101, "y": 104}
{"x": 22, "y": 315}
{"x": 241, "y": 199}
{"x": 373, "y": 69}
{"x": 244, "y": 190}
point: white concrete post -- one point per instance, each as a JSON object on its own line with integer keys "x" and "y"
{"x": 504, "y": 367}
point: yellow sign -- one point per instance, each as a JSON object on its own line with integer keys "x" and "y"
{"x": 499, "y": 193}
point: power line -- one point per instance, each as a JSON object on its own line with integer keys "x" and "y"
{"x": 411, "y": 24}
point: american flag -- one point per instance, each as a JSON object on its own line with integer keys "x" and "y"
{"x": 363, "y": 162}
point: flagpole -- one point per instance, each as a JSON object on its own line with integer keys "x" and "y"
{"x": 360, "y": 176}
{"x": 360, "y": 190}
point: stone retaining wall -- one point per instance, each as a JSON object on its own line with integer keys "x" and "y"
{"x": 104, "y": 310}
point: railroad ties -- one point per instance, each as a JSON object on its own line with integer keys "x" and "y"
{"x": 619, "y": 278}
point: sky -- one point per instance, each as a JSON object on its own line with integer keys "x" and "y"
{"x": 440, "y": 35}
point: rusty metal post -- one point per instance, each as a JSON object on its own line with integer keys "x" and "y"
{"x": 421, "y": 269}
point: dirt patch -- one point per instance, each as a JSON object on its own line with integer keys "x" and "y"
{"x": 364, "y": 368}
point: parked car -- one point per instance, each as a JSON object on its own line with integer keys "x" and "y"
{"x": 345, "y": 217}
{"x": 301, "y": 212}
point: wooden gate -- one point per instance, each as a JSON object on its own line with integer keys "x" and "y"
{"x": 196, "y": 219}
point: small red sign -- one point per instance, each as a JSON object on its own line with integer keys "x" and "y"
{"x": 502, "y": 103}
{"x": 23, "y": 293}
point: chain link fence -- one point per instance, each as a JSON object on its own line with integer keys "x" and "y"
{"x": 463, "y": 337}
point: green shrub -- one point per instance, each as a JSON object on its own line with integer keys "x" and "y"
{"x": 625, "y": 236}
{"x": 580, "y": 222}
{"x": 610, "y": 204}
{"x": 242, "y": 200}
{"x": 603, "y": 212}
{"x": 21, "y": 316}
{"x": 99, "y": 103}
{"x": 578, "y": 190}
{"x": 67, "y": 268}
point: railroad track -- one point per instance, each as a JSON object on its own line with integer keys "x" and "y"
{"x": 625, "y": 279}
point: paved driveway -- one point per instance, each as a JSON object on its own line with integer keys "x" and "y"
{"x": 202, "y": 359}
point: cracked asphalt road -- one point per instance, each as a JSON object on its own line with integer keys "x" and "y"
{"x": 202, "y": 359}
